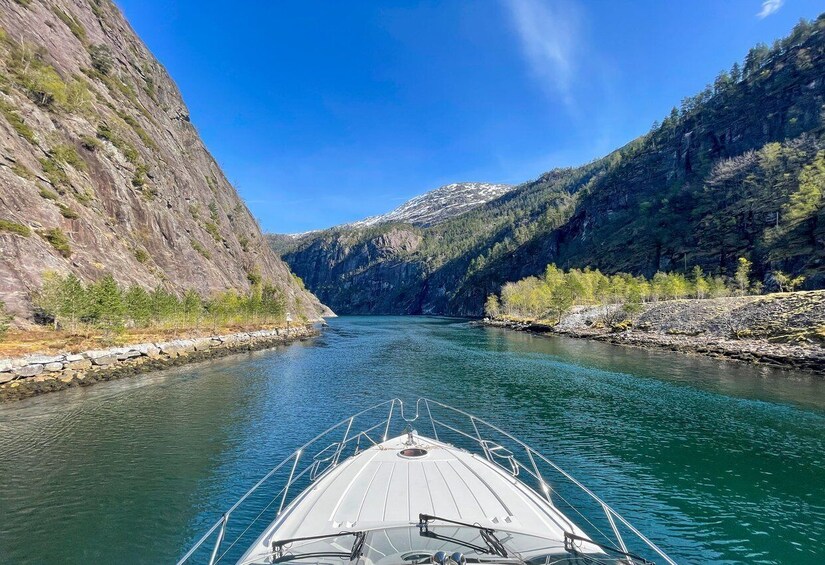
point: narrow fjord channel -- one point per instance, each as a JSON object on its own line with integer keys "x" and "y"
{"x": 716, "y": 461}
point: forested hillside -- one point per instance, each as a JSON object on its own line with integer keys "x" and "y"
{"x": 737, "y": 170}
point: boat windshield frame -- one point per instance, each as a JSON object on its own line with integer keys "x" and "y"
{"x": 496, "y": 551}
{"x": 358, "y": 542}
{"x": 494, "y": 545}
{"x": 371, "y": 426}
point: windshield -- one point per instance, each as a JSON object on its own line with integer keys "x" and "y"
{"x": 413, "y": 545}
{"x": 332, "y": 549}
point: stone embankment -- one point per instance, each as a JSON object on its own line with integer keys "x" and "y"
{"x": 37, "y": 374}
{"x": 783, "y": 329}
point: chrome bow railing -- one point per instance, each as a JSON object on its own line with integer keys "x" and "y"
{"x": 602, "y": 523}
{"x": 242, "y": 524}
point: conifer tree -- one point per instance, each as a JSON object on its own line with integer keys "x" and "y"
{"x": 5, "y": 319}
{"x": 106, "y": 303}
{"x": 164, "y": 304}
{"x": 138, "y": 305}
{"x": 191, "y": 304}
{"x": 73, "y": 301}
{"x": 273, "y": 302}
{"x": 47, "y": 299}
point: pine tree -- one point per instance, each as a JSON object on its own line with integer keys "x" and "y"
{"x": 138, "y": 304}
{"x": 164, "y": 304}
{"x": 273, "y": 303}
{"x": 736, "y": 73}
{"x": 106, "y": 304}
{"x": 191, "y": 304}
{"x": 5, "y": 319}
{"x": 808, "y": 199}
{"x": 73, "y": 301}
{"x": 47, "y": 300}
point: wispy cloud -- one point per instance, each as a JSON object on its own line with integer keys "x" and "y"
{"x": 548, "y": 35}
{"x": 769, "y": 7}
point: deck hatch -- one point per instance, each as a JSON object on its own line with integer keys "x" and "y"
{"x": 412, "y": 453}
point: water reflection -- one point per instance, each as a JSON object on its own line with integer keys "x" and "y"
{"x": 758, "y": 382}
{"x": 717, "y": 460}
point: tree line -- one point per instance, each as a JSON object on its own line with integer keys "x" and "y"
{"x": 66, "y": 302}
{"x": 550, "y": 296}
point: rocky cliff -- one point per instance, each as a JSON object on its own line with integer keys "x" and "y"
{"x": 365, "y": 271}
{"x": 737, "y": 171}
{"x": 102, "y": 171}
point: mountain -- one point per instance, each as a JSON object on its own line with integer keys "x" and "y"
{"x": 426, "y": 209}
{"x": 102, "y": 171}
{"x": 440, "y": 204}
{"x": 737, "y": 171}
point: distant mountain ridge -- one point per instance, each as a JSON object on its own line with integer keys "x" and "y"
{"x": 428, "y": 209}
{"x": 440, "y": 204}
{"x": 737, "y": 171}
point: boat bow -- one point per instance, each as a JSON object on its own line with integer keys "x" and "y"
{"x": 395, "y": 486}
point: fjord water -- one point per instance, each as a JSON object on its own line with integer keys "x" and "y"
{"x": 716, "y": 461}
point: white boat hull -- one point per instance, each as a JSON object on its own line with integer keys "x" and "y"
{"x": 380, "y": 488}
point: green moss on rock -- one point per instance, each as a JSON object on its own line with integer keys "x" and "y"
{"x": 15, "y": 228}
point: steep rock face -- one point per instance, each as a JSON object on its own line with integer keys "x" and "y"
{"x": 368, "y": 275}
{"x": 101, "y": 169}
{"x": 738, "y": 171}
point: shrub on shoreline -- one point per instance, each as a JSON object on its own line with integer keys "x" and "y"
{"x": 551, "y": 296}
{"x": 64, "y": 301}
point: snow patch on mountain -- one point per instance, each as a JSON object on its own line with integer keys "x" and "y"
{"x": 440, "y": 204}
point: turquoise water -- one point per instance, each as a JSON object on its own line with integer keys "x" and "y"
{"x": 716, "y": 461}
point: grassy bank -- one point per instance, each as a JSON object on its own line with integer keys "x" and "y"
{"x": 41, "y": 339}
{"x": 71, "y": 315}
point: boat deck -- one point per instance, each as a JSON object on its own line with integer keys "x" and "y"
{"x": 380, "y": 488}
{"x": 413, "y": 499}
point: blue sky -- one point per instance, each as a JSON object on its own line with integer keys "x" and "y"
{"x": 326, "y": 112}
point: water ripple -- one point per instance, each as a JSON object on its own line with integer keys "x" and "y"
{"x": 716, "y": 461}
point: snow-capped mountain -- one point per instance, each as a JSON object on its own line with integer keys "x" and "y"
{"x": 440, "y": 204}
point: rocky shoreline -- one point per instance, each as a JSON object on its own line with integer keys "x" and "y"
{"x": 747, "y": 350}
{"x": 38, "y": 374}
{"x": 781, "y": 330}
